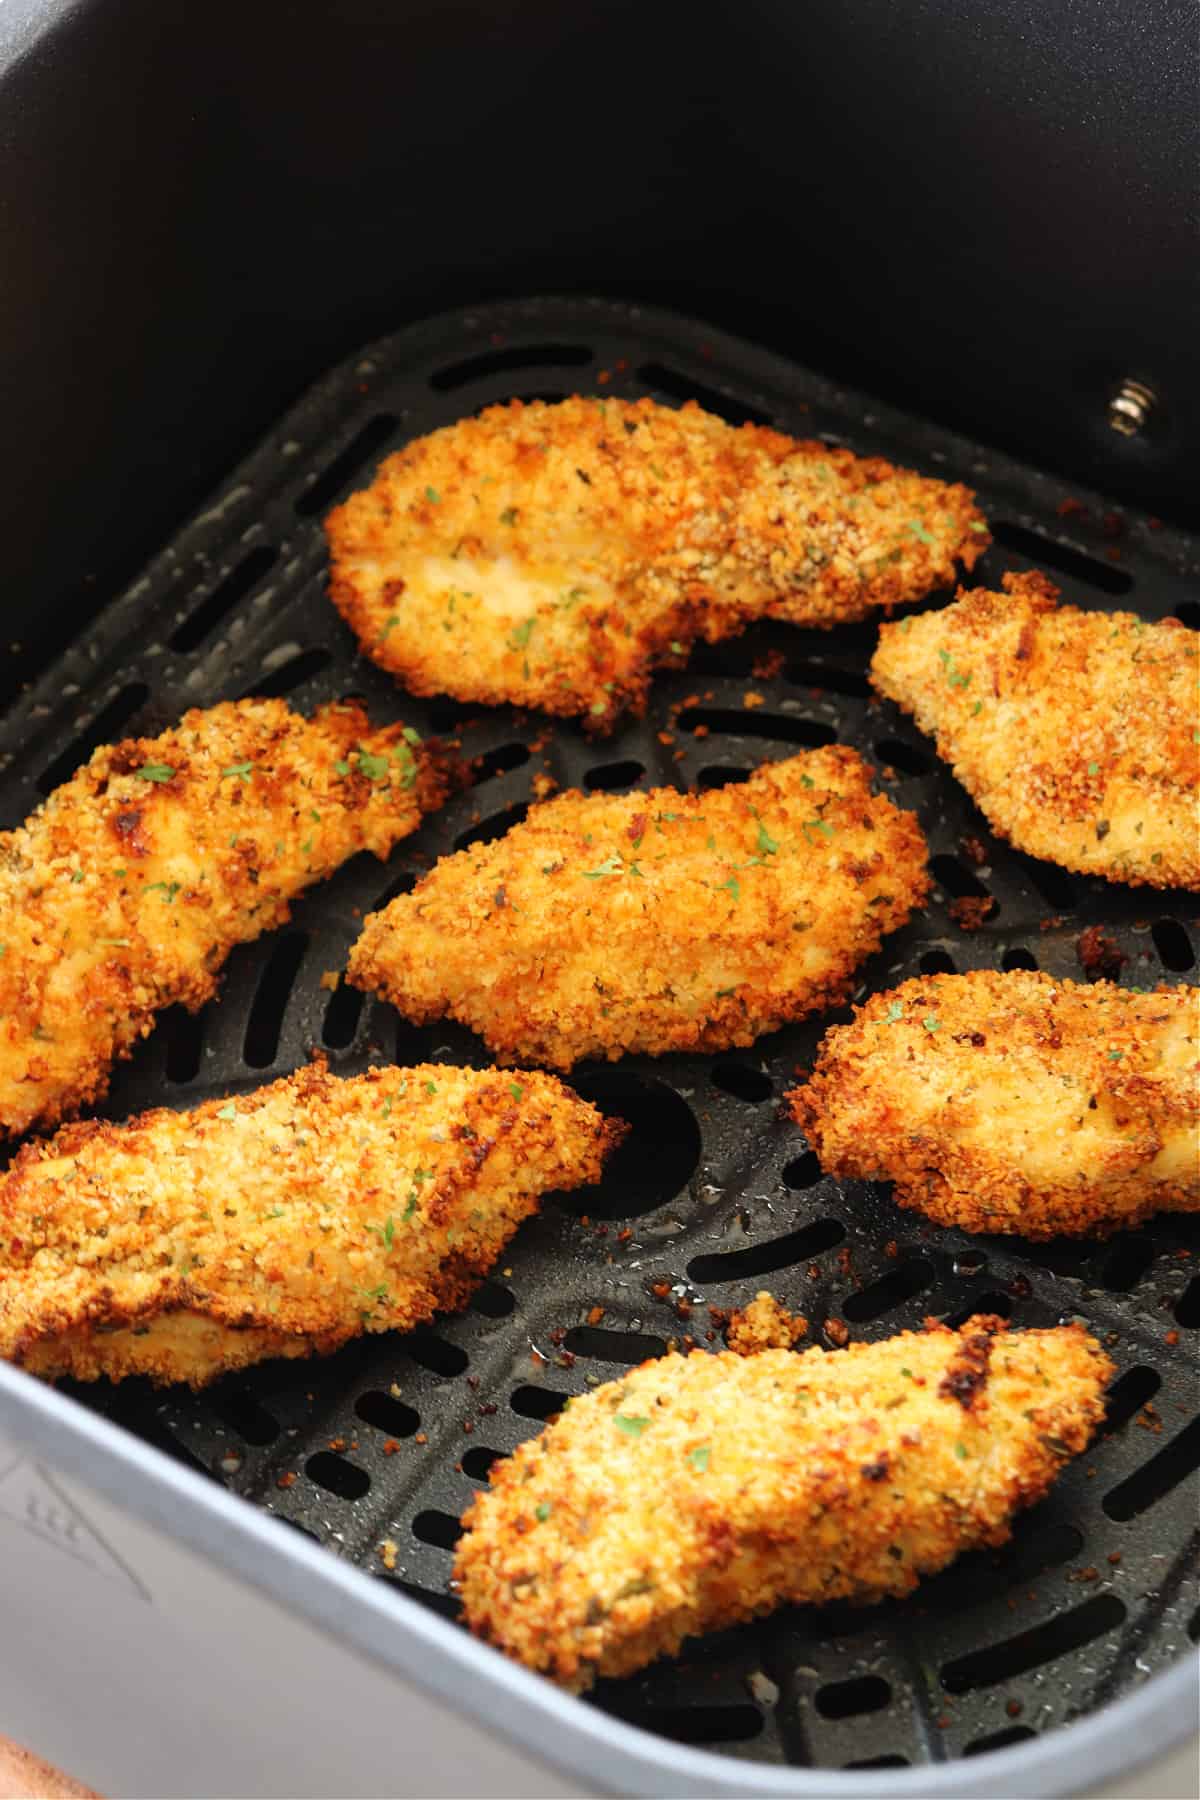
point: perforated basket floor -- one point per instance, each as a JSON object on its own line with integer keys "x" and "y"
{"x": 714, "y": 1196}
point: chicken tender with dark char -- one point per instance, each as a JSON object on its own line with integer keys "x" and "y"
{"x": 699, "y": 1491}
{"x": 654, "y": 921}
{"x": 279, "y": 1223}
{"x": 130, "y": 885}
{"x": 553, "y": 555}
{"x": 1077, "y": 733}
{"x": 1015, "y": 1103}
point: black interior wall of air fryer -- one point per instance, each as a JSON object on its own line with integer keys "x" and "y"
{"x": 983, "y": 209}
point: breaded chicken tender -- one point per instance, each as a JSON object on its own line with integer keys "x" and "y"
{"x": 553, "y": 555}
{"x": 280, "y": 1223}
{"x": 654, "y": 921}
{"x": 1076, "y": 733}
{"x": 699, "y": 1491}
{"x": 128, "y": 888}
{"x": 1015, "y": 1102}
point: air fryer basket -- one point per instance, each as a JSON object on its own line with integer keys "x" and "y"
{"x": 715, "y": 1195}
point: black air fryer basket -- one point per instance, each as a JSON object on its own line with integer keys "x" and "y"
{"x": 715, "y": 1195}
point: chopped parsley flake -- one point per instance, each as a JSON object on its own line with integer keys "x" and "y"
{"x": 433, "y": 497}
{"x": 766, "y": 843}
{"x": 699, "y": 1457}
{"x": 1115, "y": 1055}
{"x": 631, "y": 1426}
{"x": 375, "y": 768}
{"x": 389, "y": 625}
{"x": 241, "y": 770}
{"x": 228, "y": 1112}
{"x": 543, "y": 1511}
{"x": 612, "y": 865}
{"x": 931, "y": 1023}
{"x": 976, "y": 525}
{"x": 169, "y": 888}
{"x": 155, "y": 772}
{"x": 410, "y": 736}
{"x": 677, "y": 647}
{"x": 953, "y": 675}
{"x": 918, "y": 530}
{"x": 515, "y": 1089}
{"x": 960, "y": 1450}
{"x": 341, "y": 767}
{"x": 520, "y": 634}
{"x": 734, "y": 888}
{"x": 895, "y": 1011}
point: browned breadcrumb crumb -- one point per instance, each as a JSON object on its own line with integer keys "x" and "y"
{"x": 553, "y": 555}
{"x": 1014, "y": 1102}
{"x": 695, "y": 1492}
{"x": 126, "y": 890}
{"x": 388, "y": 1551}
{"x": 183, "y": 1244}
{"x": 971, "y": 911}
{"x": 655, "y": 921}
{"x": 765, "y": 1324}
{"x": 1076, "y": 732}
{"x": 1099, "y": 954}
{"x": 330, "y": 979}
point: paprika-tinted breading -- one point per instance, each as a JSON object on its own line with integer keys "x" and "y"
{"x": 126, "y": 890}
{"x": 698, "y": 1491}
{"x": 1078, "y": 733}
{"x": 1015, "y": 1103}
{"x": 554, "y": 554}
{"x": 278, "y": 1223}
{"x": 654, "y": 921}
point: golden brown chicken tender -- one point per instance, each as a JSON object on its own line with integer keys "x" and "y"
{"x": 654, "y": 921}
{"x": 553, "y": 555}
{"x": 279, "y": 1223}
{"x": 700, "y": 1491}
{"x": 1015, "y": 1102}
{"x": 1077, "y": 733}
{"x": 129, "y": 887}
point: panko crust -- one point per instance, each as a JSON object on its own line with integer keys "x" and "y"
{"x": 657, "y": 921}
{"x": 1077, "y": 733}
{"x": 1014, "y": 1102}
{"x": 554, "y": 554}
{"x": 279, "y": 1223}
{"x": 126, "y": 890}
{"x": 699, "y": 1491}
